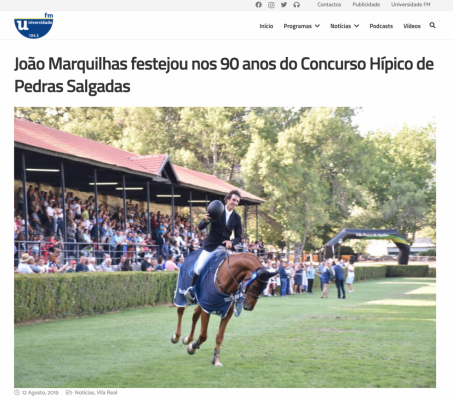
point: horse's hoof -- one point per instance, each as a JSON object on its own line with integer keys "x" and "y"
{"x": 174, "y": 339}
{"x": 191, "y": 350}
{"x": 218, "y": 365}
{"x": 185, "y": 340}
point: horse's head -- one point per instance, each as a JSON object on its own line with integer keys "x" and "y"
{"x": 255, "y": 286}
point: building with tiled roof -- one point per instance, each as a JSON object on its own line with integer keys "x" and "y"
{"x": 45, "y": 148}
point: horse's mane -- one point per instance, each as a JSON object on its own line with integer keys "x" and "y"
{"x": 248, "y": 256}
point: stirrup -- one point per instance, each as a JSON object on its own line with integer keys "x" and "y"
{"x": 189, "y": 295}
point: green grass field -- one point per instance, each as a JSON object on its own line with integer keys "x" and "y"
{"x": 382, "y": 335}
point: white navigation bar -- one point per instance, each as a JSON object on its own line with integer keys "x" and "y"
{"x": 229, "y": 5}
{"x": 238, "y": 26}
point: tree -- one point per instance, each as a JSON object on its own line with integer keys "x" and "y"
{"x": 360, "y": 247}
{"x": 404, "y": 187}
{"x": 306, "y": 170}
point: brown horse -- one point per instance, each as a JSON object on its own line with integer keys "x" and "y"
{"x": 232, "y": 272}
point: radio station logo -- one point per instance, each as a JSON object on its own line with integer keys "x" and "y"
{"x": 34, "y": 28}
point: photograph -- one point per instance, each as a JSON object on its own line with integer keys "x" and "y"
{"x": 224, "y": 247}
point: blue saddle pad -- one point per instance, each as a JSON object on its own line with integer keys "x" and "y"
{"x": 185, "y": 279}
{"x": 210, "y": 299}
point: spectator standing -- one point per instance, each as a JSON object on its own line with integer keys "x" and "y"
{"x": 59, "y": 219}
{"x": 51, "y": 243}
{"x": 283, "y": 279}
{"x": 304, "y": 278}
{"x": 86, "y": 237}
{"x": 273, "y": 280}
{"x": 114, "y": 242}
{"x": 71, "y": 230}
{"x": 321, "y": 268}
{"x": 298, "y": 279}
{"x": 159, "y": 242}
{"x": 110, "y": 232}
{"x": 326, "y": 280}
{"x": 35, "y": 248}
{"x": 310, "y": 277}
{"x": 291, "y": 271}
{"x": 49, "y": 220}
{"x": 339, "y": 280}
{"x": 350, "y": 278}
{"x": 119, "y": 239}
{"x": 131, "y": 245}
{"x": 36, "y": 219}
{"x": 165, "y": 250}
{"x": 20, "y": 198}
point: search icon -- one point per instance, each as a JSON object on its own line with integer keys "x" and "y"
{"x": 431, "y": 24}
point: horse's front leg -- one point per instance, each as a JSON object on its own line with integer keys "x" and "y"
{"x": 195, "y": 318}
{"x": 220, "y": 336}
{"x": 177, "y": 335}
{"x": 194, "y": 346}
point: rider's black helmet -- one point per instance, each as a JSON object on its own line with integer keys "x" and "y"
{"x": 215, "y": 210}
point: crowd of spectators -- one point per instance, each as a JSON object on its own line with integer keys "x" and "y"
{"x": 106, "y": 245}
{"x": 298, "y": 278}
{"x": 128, "y": 246}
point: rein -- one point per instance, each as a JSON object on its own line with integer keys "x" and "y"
{"x": 229, "y": 270}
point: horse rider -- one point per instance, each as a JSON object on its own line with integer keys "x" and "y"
{"x": 219, "y": 236}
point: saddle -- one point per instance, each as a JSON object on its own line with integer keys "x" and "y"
{"x": 211, "y": 300}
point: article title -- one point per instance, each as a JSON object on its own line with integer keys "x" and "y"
{"x": 382, "y": 64}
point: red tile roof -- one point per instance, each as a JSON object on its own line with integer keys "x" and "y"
{"x": 40, "y": 136}
{"x": 200, "y": 179}
{"x": 43, "y": 137}
{"x": 152, "y": 163}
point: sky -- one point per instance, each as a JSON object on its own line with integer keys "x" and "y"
{"x": 392, "y": 119}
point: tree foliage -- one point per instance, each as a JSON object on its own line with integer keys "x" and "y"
{"x": 316, "y": 172}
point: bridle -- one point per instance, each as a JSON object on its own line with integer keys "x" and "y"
{"x": 261, "y": 286}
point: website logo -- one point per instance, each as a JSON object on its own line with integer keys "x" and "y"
{"x": 34, "y": 28}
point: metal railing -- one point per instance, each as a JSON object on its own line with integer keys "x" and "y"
{"x": 76, "y": 250}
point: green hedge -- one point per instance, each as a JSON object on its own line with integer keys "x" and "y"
{"x": 62, "y": 295}
{"x": 66, "y": 295}
{"x": 429, "y": 253}
{"x": 407, "y": 270}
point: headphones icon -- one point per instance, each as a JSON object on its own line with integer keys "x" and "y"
{"x": 296, "y": 4}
